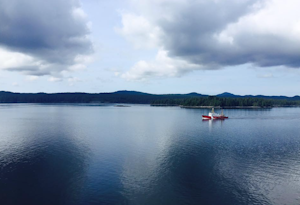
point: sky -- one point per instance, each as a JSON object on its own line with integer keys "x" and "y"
{"x": 155, "y": 46}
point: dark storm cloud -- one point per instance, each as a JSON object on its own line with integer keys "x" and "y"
{"x": 192, "y": 34}
{"x": 52, "y": 32}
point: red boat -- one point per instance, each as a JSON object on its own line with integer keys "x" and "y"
{"x": 214, "y": 116}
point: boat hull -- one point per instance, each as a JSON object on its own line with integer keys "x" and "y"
{"x": 206, "y": 117}
{"x": 220, "y": 118}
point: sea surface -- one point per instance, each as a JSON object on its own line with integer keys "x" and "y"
{"x": 141, "y": 155}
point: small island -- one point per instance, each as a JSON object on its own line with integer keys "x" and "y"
{"x": 122, "y": 106}
{"x": 226, "y": 102}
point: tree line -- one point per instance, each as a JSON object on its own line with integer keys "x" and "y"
{"x": 226, "y": 102}
{"x": 116, "y": 97}
{"x": 143, "y": 98}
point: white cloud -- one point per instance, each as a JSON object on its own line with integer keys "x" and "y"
{"x": 81, "y": 62}
{"x": 276, "y": 17}
{"x": 15, "y": 84}
{"x": 43, "y": 37}
{"x": 54, "y": 79}
{"x": 210, "y": 34}
{"x": 162, "y": 66}
{"x": 9, "y": 59}
{"x": 268, "y": 75}
{"x": 79, "y": 13}
{"x": 139, "y": 31}
{"x": 32, "y": 78}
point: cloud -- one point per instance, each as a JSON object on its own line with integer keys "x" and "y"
{"x": 162, "y": 66}
{"x": 268, "y": 75}
{"x": 214, "y": 34}
{"x": 139, "y": 31}
{"x": 43, "y": 37}
{"x": 15, "y": 84}
{"x": 54, "y": 79}
{"x": 15, "y": 59}
{"x": 32, "y": 78}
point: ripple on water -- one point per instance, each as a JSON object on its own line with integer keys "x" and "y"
{"x": 65, "y": 154}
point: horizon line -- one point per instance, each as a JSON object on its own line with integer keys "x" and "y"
{"x": 229, "y": 93}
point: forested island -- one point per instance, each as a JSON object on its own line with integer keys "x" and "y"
{"x": 192, "y": 100}
{"x": 226, "y": 102}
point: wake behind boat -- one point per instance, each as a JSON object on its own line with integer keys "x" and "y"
{"x": 214, "y": 116}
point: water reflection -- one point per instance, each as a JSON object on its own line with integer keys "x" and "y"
{"x": 218, "y": 167}
{"x": 212, "y": 123}
{"x": 39, "y": 162}
{"x": 147, "y": 155}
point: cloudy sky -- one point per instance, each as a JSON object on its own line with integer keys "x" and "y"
{"x": 156, "y": 46}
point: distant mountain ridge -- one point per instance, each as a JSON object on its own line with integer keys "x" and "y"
{"x": 226, "y": 94}
{"x": 122, "y": 96}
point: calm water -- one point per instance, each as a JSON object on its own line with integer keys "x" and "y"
{"x": 80, "y": 154}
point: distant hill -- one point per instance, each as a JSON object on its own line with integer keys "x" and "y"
{"x": 230, "y": 95}
{"x": 196, "y": 95}
{"x": 126, "y": 92}
{"x": 122, "y": 96}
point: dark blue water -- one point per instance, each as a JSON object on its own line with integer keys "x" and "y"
{"x": 80, "y": 154}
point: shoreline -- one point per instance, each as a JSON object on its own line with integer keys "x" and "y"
{"x": 157, "y": 105}
{"x": 217, "y": 107}
{"x": 225, "y": 107}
